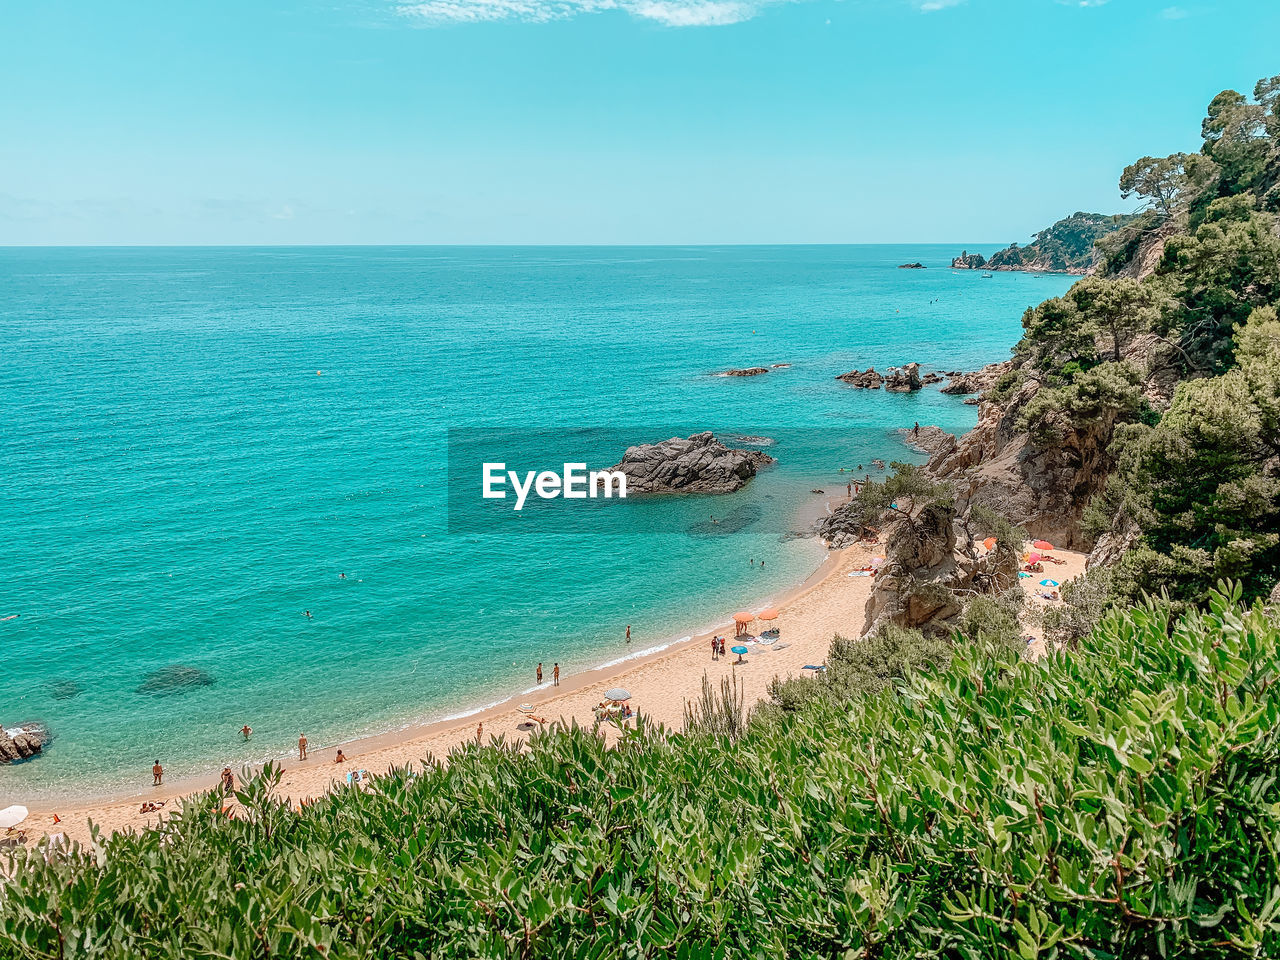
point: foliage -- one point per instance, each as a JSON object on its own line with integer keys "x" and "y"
{"x": 1085, "y": 601}
{"x": 862, "y": 667}
{"x": 1110, "y": 390}
{"x": 1204, "y": 484}
{"x": 720, "y": 716}
{"x": 1067, "y": 245}
{"x": 1119, "y": 803}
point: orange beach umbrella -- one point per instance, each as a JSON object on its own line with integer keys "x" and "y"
{"x": 1043, "y": 545}
{"x": 989, "y": 542}
{"x": 769, "y": 614}
{"x": 742, "y": 619}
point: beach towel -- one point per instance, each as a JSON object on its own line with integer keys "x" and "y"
{"x": 861, "y": 573}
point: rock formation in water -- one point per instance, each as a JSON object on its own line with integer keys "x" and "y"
{"x": 866, "y": 379}
{"x": 745, "y": 372}
{"x": 911, "y": 266}
{"x": 22, "y": 741}
{"x": 697, "y": 464}
{"x": 904, "y": 379}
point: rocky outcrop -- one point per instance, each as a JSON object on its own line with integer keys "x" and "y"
{"x": 866, "y": 379}
{"x": 904, "y": 379}
{"x": 929, "y": 440}
{"x": 977, "y": 381}
{"x": 844, "y": 527}
{"x": 744, "y": 372}
{"x": 969, "y": 261}
{"x": 697, "y": 464}
{"x": 927, "y": 579}
{"x": 931, "y": 378}
{"x": 911, "y": 266}
{"x": 22, "y": 741}
{"x": 1043, "y": 487}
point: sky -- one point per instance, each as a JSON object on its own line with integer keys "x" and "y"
{"x": 596, "y": 121}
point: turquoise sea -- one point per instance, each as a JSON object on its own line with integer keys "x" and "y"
{"x": 198, "y": 443}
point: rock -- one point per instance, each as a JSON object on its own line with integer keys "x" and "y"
{"x": 174, "y": 679}
{"x": 865, "y": 379}
{"x": 779, "y": 366}
{"x": 929, "y": 440}
{"x": 698, "y": 464}
{"x": 927, "y": 580}
{"x": 931, "y": 378}
{"x": 744, "y": 372}
{"x": 23, "y": 741}
{"x": 844, "y": 527}
{"x": 1043, "y": 487}
{"x": 911, "y": 266}
{"x": 904, "y": 379}
{"x": 969, "y": 261}
{"x": 971, "y": 401}
{"x": 976, "y": 382}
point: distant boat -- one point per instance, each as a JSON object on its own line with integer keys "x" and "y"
{"x": 987, "y": 276}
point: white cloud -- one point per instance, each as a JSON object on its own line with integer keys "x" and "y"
{"x": 670, "y": 13}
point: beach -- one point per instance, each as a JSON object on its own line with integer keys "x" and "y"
{"x": 829, "y": 602}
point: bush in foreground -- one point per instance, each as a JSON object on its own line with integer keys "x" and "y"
{"x": 1121, "y": 801}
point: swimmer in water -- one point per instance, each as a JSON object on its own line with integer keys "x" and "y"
{"x": 342, "y": 576}
{"x": 307, "y": 614}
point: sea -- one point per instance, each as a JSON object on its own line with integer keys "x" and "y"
{"x": 241, "y": 485}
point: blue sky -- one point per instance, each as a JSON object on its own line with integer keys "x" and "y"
{"x": 596, "y": 121}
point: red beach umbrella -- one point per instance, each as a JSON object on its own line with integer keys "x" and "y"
{"x": 1043, "y": 545}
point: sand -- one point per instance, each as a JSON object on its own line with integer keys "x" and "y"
{"x": 829, "y": 602}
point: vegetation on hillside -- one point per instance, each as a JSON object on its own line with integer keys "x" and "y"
{"x": 1066, "y": 246}
{"x": 1122, "y": 802}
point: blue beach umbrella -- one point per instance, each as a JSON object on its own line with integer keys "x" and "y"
{"x": 738, "y": 650}
{"x": 1048, "y": 583}
{"x": 1023, "y": 573}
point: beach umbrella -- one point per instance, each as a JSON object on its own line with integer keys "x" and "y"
{"x": 1043, "y": 545}
{"x": 617, "y": 693}
{"x": 989, "y": 543}
{"x": 525, "y": 708}
{"x": 12, "y": 816}
{"x": 1034, "y": 558}
{"x": 769, "y": 614}
{"x": 738, "y": 650}
{"x": 877, "y": 563}
{"x": 741, "y": 620}
{"x": 1048, "y": 583}
{"x": 1023, "y": 573}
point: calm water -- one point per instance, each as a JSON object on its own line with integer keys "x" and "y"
{"x": 198, "y": 443}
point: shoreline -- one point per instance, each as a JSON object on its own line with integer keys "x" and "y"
{"x": 414, "y": 742}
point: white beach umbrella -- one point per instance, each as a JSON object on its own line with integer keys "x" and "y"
{"x": 12, "y": 816}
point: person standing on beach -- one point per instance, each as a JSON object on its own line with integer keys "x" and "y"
{"x": 555, "y": 675}
{"x": 302, "y": 746}
{"x": 715, "y": 648}
{"x": 228, "y": 781}
{"x": 479, "y": 731}
{"x": 157, "y": 774}
{"x": 539, "y": 674}
{"x": 851, "y": 491}
{"x": 915, "y": 431}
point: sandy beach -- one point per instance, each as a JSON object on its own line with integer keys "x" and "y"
{"x": 828, "y": 602}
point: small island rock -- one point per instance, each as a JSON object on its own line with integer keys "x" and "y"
{"x": 697, "y": 464}
{"x": 866, "y": 379}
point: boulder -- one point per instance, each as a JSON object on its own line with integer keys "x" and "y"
{"x": 911, "y": 266}
{"x": 904, "y": 379}
{"x": 23, "y": 741}
{"x": 745, "y": 372}
{"x": 866, "y": 379}
{"x": 697, "y": 464}
{"x": 931, "y": 378}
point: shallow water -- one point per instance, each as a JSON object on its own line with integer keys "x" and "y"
{"x": 198, "y": 443}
